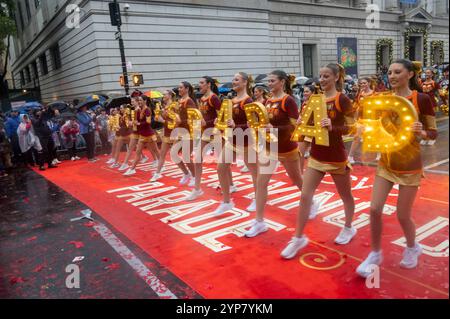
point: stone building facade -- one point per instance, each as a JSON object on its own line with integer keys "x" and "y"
{"x": 173, "y": 40}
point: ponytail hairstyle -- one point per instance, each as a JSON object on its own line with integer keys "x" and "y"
{"x": 249, "y": 79}
{"x": 190, "y": 88}
{"x": 289, "y": 80}
{"x": 370, "y": 82}
{"x": 415, "y": 67}
{"x": 173, "y": 95}
{"x": 339, "y": 71}
{"x": 312, "y": 88}
{"x": 213, "y": 82}
{"x": 263, "y": 89}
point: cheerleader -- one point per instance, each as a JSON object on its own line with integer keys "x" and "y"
{"x": 306, "y": 143}
{"x": 366, "y": 88}
{"x": 403, "y": 167}
{"x": 134, "y": 136}
{"x": 122, "y": 134}
{"x": 330, "y": 159}
{"x": 242, "y": 85}
{"x": 113, "y": 127}
{"x": 430, "y": 87}
{"x": 260, "y": 94}
{"x": 147, "y": 136}
{"x": 209, "y": 105}
{"x": 187, "y": 101}
{"x": 283, "y": 115}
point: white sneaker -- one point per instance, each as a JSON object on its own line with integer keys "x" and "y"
{"x": 110, "y": 161}
{"x": 423, "y": 142}
{"x": 306, "y": 154}
{"x": 351, "y": 160}
{"x": 154, "y": 163}
{"x": 130, "y": 172}
{"x": 378, "y": 157}
{"x": 431, "y": 142}
{"x": 54, "y": 162}
{"x": 57, "y": 161}
{"x": 252, "y": 207}
{"x": 156, "y": 177}
{"x": 72, "y": 158}
{"x": 223, "y": 208}
{"x": 233, "y": 189}
{"x": 365, "y": 268}
{"x": 192, "y": 182}
{"x": 256, "y": 229}
{"x": 294, "y": 245}
{"x": 345, "y": 236}
{"x": 315, "y": 206}
{"x": 124, "y": 167}
{"x": 77, "y": 158}
{"x": 185, "y": 179}
{"x": 410, "y": 257}
{"x": 194, "y": 195}
{"x": 244, "y": 169}
{"x": 240, "y": 163}
{"x": 114, "y": 165}
{"x": 143, "y": 160}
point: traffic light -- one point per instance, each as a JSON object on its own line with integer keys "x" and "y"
{"x": 138, "y": 79}
{"x": 122, "y": 81}
{"x": 114, "y": 12}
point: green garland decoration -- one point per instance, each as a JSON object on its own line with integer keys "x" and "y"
{"x": 437, "y": 44}
{"x": 380, "y": 43}
{"x": 407, "y": 34}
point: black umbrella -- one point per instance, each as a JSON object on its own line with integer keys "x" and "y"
{"x": 117, "y": 102}
{"x": 67, "y": 115}
{"x": 88, "y": 104}
{"x": 61, "y": 106}
{"x": 260, "y": 77}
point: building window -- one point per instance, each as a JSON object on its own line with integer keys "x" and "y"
{"x": 27, "y": 6}
{"x": 22, "y": 78}
{"x": 37, "y": 3}
{"x": 35, "y": 70}
{"x": 56, "y": 57}
{"x": 43, "y": 62}
{"x": 27, "y": 75}
{"x": 309, "y": 60}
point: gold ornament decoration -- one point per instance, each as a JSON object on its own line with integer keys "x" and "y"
{"x": 375, "y": 137}
{"x": 316, "y": 108}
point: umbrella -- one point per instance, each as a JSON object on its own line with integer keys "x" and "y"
{"x": 154, "y": 94}
{"x": 260, "y": 77}
{"x": 223, "y": 90}
{"x": 97, "y": 97}
{"x": 227, "y": 85}
{"x": 29, "y": 106}
{"x": 117, "y": 101}
{"x": 61, "y": 106}
{"x": 67, "y": 115}
{"x": 301, "y": 80}
{"x": 87, "y": 103}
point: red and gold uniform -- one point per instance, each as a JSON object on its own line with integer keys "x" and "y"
{"x": 209, "y": 106}
{"x": 357, "y": 105}
{"x": 124, "y": 131}
{"x": 240, "y": 120}
{"x": 405, "y": 166}
{"x": 134, "y": 128}
{"x": 430, "y": 87}
{"x": 185, "y": 104}
{"x": 333, "y": 158}
{"x": 283, "y": 115}
{"x": 146, "y": 133}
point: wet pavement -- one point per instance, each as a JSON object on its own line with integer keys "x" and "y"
{"x": 38, "y": 241}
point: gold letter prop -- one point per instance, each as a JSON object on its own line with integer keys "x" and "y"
{"x": 194, "y": 121}
{"x": 257, "y": 117}
{"x": 224, "y": 115}
{"x": 172, "y": 115}
{"x": 316, "y": 108}
{"x": 375, "y": 137}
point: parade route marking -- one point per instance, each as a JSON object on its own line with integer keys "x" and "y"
{"x": 383, "y": 268}
{"x": 155, "y": 284}
{"x": 434, "y": 200}
{"x": 436, "y": 164}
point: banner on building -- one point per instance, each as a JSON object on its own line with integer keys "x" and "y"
{"x": 348, "y": 55}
